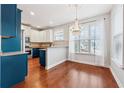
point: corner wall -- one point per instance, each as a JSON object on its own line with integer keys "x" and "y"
{"x": 117, "y": 22}
{"x": 55, "y": 56}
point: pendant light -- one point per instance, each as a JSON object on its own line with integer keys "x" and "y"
{"x": 76, "y": 28}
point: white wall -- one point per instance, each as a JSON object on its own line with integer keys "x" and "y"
{"x": 86, "y": 59}
{"x": 55, "y": 56}
{"x": 116, "y": 27}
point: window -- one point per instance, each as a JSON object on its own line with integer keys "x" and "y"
{"x": 58, "y": 35}
{"x": 84, "y": 39}
{"x": 88, "y": 41}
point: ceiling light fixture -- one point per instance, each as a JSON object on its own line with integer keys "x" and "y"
{"x": 32, "y": 13}
{"x": 38, "y": 26}
{"x": 76, "y": 28}
{"x": 50, "y": 22}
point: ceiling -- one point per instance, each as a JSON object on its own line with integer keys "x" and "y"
{"x": 57, "y": 14}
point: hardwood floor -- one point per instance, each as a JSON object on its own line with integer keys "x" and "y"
{"x": 67, "y": 75}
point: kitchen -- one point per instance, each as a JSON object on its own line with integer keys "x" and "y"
{"x": 42, "y": 43}
{"x": 62, "y": 48}
{"x": 20, "y": 43}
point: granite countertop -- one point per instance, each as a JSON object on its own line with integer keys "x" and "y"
{"x": 53, "y": 47}
{"x": 12, "y": 53}
{"x": 58, "y": 47}
{"x": 43, "y": 49}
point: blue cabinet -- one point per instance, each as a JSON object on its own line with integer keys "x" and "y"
{"x": 12, "y": 27}
{"x": 17, "y": 39}
{"x": 8, "y": 19}
{"x": 13, "y": 69}
{"x": 35, "y": 52}
{"x": 0, "y": 72}
{"x": 43, "y": 57}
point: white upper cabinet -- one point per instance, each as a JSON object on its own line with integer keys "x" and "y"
{"x": 49, "y": 35}
{"x": 41, "y": 36}
{"x": 38, "y": 36}
{"x": 46, "y": 36}
{"x": 34, "y": 36}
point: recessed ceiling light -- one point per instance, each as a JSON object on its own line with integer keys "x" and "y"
{"x": 32, "y": 13}
{"x": 38, "y": 26}
{"x": 50, "y": 22}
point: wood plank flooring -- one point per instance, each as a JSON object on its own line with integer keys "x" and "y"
{"x": 67, "y": 75}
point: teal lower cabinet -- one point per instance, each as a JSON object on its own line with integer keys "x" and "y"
{"x": 13, "y": 69}
{"x": 43, "y": 57}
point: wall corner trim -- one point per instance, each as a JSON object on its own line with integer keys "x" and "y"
{"x": 51, "y": 66}
{"x": 116, "y": 78}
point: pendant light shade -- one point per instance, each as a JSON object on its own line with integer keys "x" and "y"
{"x": 76, "y": 28}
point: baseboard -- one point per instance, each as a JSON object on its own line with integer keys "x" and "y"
{"x": 116, "y": 78}
{"x": 51, "y": 66}
{"x": 83, "y": 62}
{"x": 48, "y": 67}
{"x": 77, "y": 61}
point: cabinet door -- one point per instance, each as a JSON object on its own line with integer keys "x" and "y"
{"x": 34, "y": 36}
{"x": 14, "y": 69}
{"x": 49, "y": 36}
{"x": 43, "y": 57}
{"x": 35, "y": 52}
{"x": 44, "y": 36}
{"x": 16, "y": 41}
{"x": 37, "y": 36}
{"x": 41, "y": 36}
{"x": 8, "y": 19}
{"x": 18, "y": 33}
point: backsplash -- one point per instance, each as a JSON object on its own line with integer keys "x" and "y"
{"x": 60, "y": 43}
{"x": 48, "y": 44}
{"x": 40, "y": 45}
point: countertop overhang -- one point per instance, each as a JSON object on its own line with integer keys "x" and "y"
{"x": 12, "y": 53}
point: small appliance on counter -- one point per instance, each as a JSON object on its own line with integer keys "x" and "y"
{"x": 27, "y": 47}
{"x": 29, "y": 51}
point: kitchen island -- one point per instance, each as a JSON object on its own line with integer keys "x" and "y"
{"x": 53, "y": 56}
